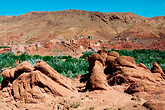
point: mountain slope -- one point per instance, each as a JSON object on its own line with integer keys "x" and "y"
{"x": 44, "y": 26}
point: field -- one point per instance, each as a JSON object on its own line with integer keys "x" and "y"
{"x": 70, "y": 67}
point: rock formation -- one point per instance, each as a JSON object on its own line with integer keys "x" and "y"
{"x": 97, "y": 79}
{"x": 31, "y": 84}
{"x": 27, "y": 84}
{"x": 140, "y": 81}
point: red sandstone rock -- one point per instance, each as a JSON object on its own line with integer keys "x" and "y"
{"x": 92, "y": 58}
{"x": 103, "y": 54}
{"x": 155, "y": 105}
{"x": 113, "y": 53}
{"x": 157, "y": 69}
{"x": 142, "y": 65}
{"x": 97, "y": 80}
{"x": 54, "y": 75}
{"x": 23, "y": 67}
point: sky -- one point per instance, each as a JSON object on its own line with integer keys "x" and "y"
{"x": 146, "y": 8}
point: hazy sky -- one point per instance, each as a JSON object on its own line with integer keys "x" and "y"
{"x": 147, "y": 8}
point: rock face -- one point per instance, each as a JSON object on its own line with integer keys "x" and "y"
{"x": 140, "y": 81}
{"x": 97, "y": 80}
{"x": 155, "y": 105}
{"x": 111, "y": 56}
{"x": 157, "y": 69}
{"x": 106, "y": 26}
{"x": 94, "y": 57}
{"x": 33, "y": 84}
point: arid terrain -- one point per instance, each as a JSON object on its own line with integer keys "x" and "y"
{"x": 111, "y": 30}
{"x": 113, "y": 82}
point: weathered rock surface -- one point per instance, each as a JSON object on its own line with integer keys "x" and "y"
{"x": 103, "y": 54}
{"x": 111, "y": 56}
{"x": 92, "y": 58}
{"x": 140, "y": 81}
{"x": 35, "y": 85}
{"x": 97, "y": 80}
{"x": 157, "y": 69}
{"x": 155, "y": 105}
{"x": 23, "y": 67}
{"x": 41, "y": 87}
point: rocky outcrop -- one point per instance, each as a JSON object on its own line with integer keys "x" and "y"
{"x": 138, "y": 80}
{"x": 157, "y": 69}
{"x": 142, "y": 65}
{"x": 92, "y": 58}
{"x": 33, "y": 84}
{"x": 97, "y": 79}
{"x": 155, "y": 105}
{"x": 111, "y": 56}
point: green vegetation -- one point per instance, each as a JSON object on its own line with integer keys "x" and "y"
{"x": 75, "y": 105}
{"x": 86, "y": 54}
{"x": 135, "y": 106}
{"x": 66, "y": 65}
{"x": 134, "y": 98}
{"x": 4, "y": 47}
{"x": 108, "y": 108}
{"x": 91, "y": 108}
{"x": 70, "y": 67}
{"x": 121, "y": 108}
{"x": 146, "y": 57}
{"x": 1, "y": 78}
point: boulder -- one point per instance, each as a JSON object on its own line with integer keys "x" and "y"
{"x": 109, "y": 60}
{"x": 8, "y": 77}
{"x": 98, "y": 80}
{"x": 119, "y": 62}
{"x": 142, "y": 65}
{"x": 113, "y": 53}
{"x": 92, "y": 58}
{"x": 125, "y": 61}
{"x": 54, "y": 75}
{"x": 23, "y": 67}
{"x": 36, "y": 86}
{"x": 103, "y": 54}
{"x": 157, "y": 69}
{"x": 155, "y": 105}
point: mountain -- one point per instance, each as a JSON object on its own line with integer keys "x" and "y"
{"x": 44, "y": 26}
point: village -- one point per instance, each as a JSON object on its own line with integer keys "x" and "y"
{"x": 74, "y": 47}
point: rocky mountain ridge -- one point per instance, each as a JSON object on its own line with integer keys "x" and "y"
{"x": 44, "y": 26}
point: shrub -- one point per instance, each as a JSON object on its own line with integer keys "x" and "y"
{"x": 75, "y": 105}
{"x": 71, "y": 67}
{"x": 1, "y": 78}
{"x": 86, "y": 54}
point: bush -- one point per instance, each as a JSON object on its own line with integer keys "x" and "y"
{"x": 1, "y": 78}
{"x": 4, "y": 47}
{"x": 71, "y": 67}
{"x": 86, "y": 54}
